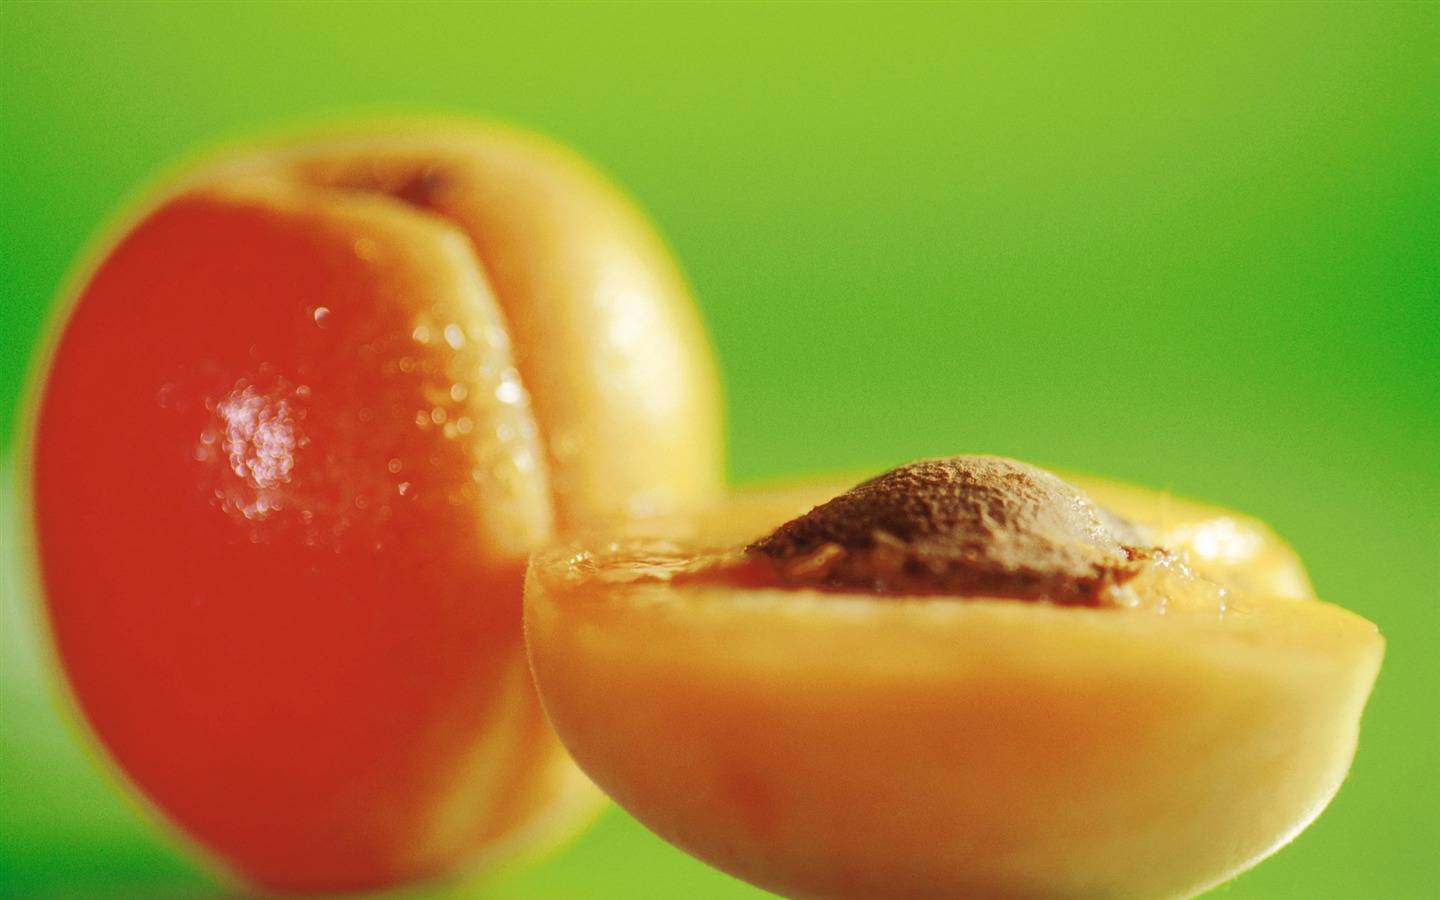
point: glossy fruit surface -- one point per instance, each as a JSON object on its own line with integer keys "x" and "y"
{"x": 836, "y": 744}
{"x": 301, "y": 427}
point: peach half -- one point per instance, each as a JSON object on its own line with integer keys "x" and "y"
{"x": 1146, "y": 736}
{"x": 302, "y": 423}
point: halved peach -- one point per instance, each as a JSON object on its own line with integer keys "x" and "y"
{"x": 827, "y": 742}
{"x": 301, "y": 426}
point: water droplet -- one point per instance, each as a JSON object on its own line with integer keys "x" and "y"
{"x": 496, "y": 337}
{"x": 569, "y": 445}
{"x": 393, "y": 465}
{"x": 524, "y": 461}
{"x": 454, "y": 336}
{"x": 303, "y": 390}
{"x": 362, "y": 501}
{"x": 458, "y": 392}
{"x": 366, "y": 414}
{"x": 407, "y": 364}
{"x": 464, "y": 425}
{"x": 421, "y": 335}
{"x": 509, "y": 392}
{"x": 322, "y": 316}
{"x": 403, "y": 488}
{"x": 437, "y": 415}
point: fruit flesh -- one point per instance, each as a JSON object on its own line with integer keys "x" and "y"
{"x": 830, "y": 744}
{"x": 286, "y": 472}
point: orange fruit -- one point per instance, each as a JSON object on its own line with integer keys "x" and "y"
{"x": 820, "y": 739}
{"x": 302, "y": 423}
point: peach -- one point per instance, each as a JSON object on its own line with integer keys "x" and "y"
{"x": 792, "y": 717}
{"x": 303, "y": 421}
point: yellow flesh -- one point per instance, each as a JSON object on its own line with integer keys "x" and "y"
{"x": 832, "y": 745}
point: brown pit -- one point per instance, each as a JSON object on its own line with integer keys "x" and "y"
{"x": 962, "y": 525}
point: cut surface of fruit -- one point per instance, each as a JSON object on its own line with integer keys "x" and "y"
{"x": 291, "y": 450}
{"x": 832, "y": 743}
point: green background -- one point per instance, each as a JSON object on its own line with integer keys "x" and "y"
{"x": 1195, "y": 247}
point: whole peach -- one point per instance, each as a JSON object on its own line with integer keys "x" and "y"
{"x": 301, "y": 425}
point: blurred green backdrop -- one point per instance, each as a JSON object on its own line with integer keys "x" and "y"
{"x": 1191, "y": 246}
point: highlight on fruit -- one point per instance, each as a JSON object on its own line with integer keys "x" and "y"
{"x": 966, "y": 678}
{"x": 304, "y": 417}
